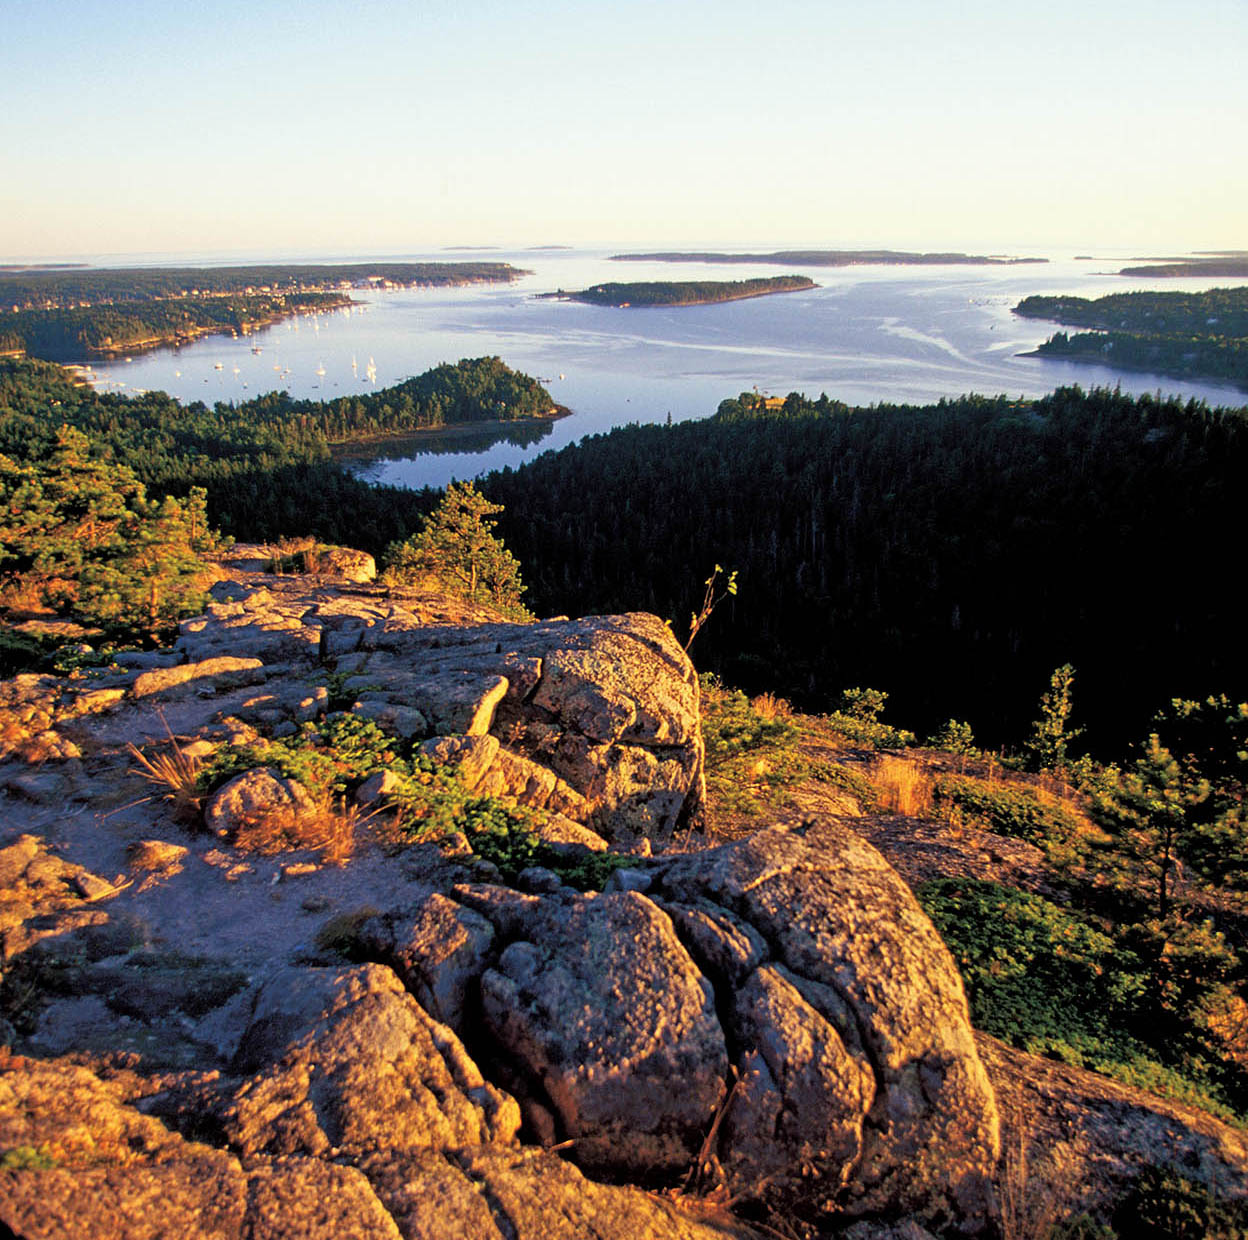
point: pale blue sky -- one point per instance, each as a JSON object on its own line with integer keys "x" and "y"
{"x": 130, "y": 126}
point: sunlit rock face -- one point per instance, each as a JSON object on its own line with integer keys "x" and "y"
{"x": 771, "y": 1022}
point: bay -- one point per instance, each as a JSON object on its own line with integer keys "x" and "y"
{"x": 877, "y": 334}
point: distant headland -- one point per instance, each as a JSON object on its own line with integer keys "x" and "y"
{"x": 77, "y": 314}
{"x": 826, "y": 258}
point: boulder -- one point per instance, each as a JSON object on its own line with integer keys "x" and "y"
{"x": 343, "y": 563}
{"x": 251, "y": 796}
{"x": 848, "y": 944}
{"x": 602, "y": 1008}
{"x": 346, "y": 1061}
{"x": 792, "y": 985}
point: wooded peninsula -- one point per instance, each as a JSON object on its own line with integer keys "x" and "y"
{"x": 1233, "y": 264}
{"x": 1189, "y": 335}
{"x": 81, "y": 314}
{"x": 825, "y": 258}
{"x": 684, "y": 292}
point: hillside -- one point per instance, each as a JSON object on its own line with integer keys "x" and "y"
{"x": 359, "y": 911}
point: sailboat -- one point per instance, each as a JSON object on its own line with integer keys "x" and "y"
{"x": 371, "y": 372}
{"x": 320, "y": 370}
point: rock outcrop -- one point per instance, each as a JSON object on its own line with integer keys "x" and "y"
{"x": 218, "y": 1043}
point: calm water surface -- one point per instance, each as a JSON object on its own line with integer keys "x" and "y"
{"x": 866, "y": 335}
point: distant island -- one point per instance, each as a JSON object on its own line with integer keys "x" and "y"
{"x": 824, "y": 258}
{"x": 1188, "y": 335}
{"x": 683, "y": 293}
{"x": 1232, "y": 265}
{"x": 79, "y": 314}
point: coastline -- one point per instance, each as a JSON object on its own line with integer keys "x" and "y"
{"x": 363, "y": 447}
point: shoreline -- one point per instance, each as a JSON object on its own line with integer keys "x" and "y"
{"x": 1118, "y": 364}
{"x": 348, "y": 449}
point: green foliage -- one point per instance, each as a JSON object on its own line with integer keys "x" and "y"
{"x": 587, "y": 871}
{"x": 429, "y": 802}
{"x": 329, "y": 755}
{"x": 748, "y": 756}
{"x": 954, "y": 737}
{"x": 753, "y": 754}
{"x": 711, "y": 600}
{"x": 1150, "y": 813}
{"x": 1051, "y": 734}
{"x": 1011, "y": 809}
{"x": 80, "y": 535}
{"x": 27, "y": 1158}
{"x": 858, "y": 720}
{"x": 1165, "y": 1205}
{"x": 457, "y": 548}
{"x": 1043, "y": 978}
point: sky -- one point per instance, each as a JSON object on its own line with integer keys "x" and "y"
{"x": 320, "y": 127}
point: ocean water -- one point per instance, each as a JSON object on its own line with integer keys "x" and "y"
{"x": 865, "y": 335}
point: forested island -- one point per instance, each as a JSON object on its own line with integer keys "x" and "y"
{"x": 81, "y": 314}
{"x": 248, "y": 454}
{"x": 684, "y": 292}
{"x": 1189, "y": 335}
{"x": 825, "y": 258}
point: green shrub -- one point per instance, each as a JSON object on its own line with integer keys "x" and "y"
{"x": 858, "y": 720}
{"x": 27, "y": 1158}
{"x": 1042, "y": 978}
{"x": 1164, "y": 1205}
{"x": 1011, "y": 809}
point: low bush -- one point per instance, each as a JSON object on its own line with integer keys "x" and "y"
{"x": 1044, "y": 979}
{"x": 1016, "y": 810}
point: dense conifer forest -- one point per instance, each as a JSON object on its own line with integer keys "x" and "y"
{"x": 951, "y": 554}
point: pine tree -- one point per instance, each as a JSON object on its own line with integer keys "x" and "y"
{"x": 1051, "y": 735}
{"x": 458, "y": 550}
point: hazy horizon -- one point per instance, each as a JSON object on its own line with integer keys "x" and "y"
{"x": 275, "y": 128}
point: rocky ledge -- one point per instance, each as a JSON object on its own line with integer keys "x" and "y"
{"x": 208, "y": 1041}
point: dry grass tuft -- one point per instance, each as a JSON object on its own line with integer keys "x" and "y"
{"x": 903, "y": 786}
{"x": 175, "y": 773}
{"x": 771, "y": 708}
{"x": 1035, "y": 1195}
{"x": 328, "y": 827}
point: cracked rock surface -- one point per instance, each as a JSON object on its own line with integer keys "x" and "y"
{"x": 772, "y": 1022}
